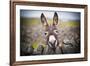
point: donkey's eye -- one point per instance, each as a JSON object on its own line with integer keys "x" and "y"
{"x": 46, "y": 33}
{"x": 55, "y": 31}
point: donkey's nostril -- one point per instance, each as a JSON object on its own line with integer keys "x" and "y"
{"x": 52, "y": 45}
{"x": 52, "y": 39}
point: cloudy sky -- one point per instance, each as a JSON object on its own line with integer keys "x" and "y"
{"x": 49, "y": 14}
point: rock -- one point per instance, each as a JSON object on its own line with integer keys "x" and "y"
{"x": 26, "y": 50}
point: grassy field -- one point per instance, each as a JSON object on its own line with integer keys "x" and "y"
{"x": 35, "y": 21}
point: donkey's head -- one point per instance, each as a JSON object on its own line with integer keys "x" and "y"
{"x": 51, "y": 31}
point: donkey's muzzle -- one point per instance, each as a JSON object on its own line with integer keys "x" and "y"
{"x": 52, "y": 41}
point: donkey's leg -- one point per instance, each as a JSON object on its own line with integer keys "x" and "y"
{"x": 59, "y": 50}
{"x": 48, "y": 50}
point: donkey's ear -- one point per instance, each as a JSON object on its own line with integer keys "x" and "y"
{"x": 55, "y": 19}
{"x": 43, "y": 20}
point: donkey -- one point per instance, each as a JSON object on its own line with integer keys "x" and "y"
{"x": 51, "y": 34}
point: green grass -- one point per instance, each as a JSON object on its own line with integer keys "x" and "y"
{"x": 36, "y": 21}
{"x": 35, "y": 45}
{"x": 70, "y": 24}
{"x": 27, "y": 21}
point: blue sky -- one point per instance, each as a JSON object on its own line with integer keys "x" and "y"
{"x": 49, "y": 14}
